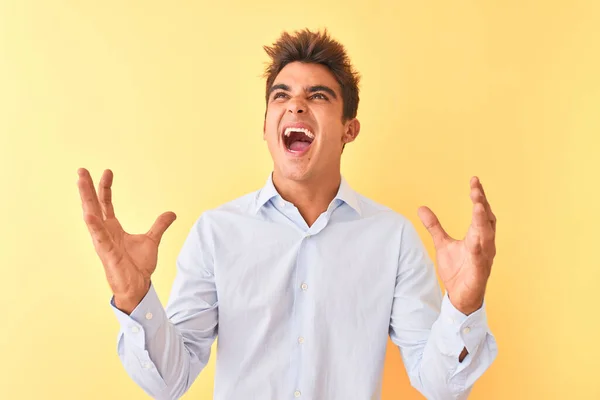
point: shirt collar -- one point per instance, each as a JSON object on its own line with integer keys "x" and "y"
{"x": 265, "y": 194}
{"x": 345, "y": 193}
{"x": 348, "y": 195}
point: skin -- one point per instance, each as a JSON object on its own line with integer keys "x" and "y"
{"x": 311, "y": 95}
{"x": 309, "y": 182}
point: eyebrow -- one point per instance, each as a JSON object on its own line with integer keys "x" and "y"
{"x": 310, "y": 89}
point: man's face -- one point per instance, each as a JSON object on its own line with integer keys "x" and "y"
{"x": 303, "y": 125}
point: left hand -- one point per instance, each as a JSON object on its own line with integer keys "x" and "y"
{"x": 465, "y": 265}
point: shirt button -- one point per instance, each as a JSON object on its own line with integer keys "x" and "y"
{"x": 307, "y": 235}
{"x": 466, "y": 330}
{"x": 297, "y": 393}
{"x": 300, "y": 340}
{"x": 282, "y": 203}
{"x": 146, "y": 365}
{"x": 135, "y": 329}
{"x": 149, "y": 315}
{"x": 304, "y": 286}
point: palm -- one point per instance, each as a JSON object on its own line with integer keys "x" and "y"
{"x": 135, "y": 253}
{"x": 142, "y": 252}
{"x": 459, "y": 270}
{"x": 465, "y": 265}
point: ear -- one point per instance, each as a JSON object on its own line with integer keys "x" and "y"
{"x": 265, "y": 130}
{"x": 352, "y": 130}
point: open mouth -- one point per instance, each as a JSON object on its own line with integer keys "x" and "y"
{"x": 298, "y": 140}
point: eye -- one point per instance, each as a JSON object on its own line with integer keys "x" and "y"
{"x": 320, "y": 96}
{"x": 279, "y": 95}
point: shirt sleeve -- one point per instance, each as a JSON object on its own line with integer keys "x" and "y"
{"x": 164, "y": 350}
{"x": 431, "y": 333}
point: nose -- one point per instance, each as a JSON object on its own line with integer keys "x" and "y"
{"x": 296, "y": 106}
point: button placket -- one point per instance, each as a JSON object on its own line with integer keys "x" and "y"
{"x": 303, "y": 302}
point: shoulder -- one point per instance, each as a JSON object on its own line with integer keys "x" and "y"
{"x": 242, "y": 206}
{"x": 370, "y": 208}
{"x": 398, "y": 225}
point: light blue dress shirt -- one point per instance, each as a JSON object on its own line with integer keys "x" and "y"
{"x": 303, "y": 313}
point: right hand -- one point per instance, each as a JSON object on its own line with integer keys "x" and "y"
{"x": 128, "y": 260}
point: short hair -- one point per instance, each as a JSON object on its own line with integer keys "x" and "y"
{"x": 315, "y": 48}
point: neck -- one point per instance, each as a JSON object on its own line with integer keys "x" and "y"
{"x": 311, "y": 197}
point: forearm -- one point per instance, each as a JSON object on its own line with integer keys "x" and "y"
{"x": 458, "y": 351}
{"x": 153, "y": 352}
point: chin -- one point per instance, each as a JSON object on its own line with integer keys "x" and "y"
{"x": 294, "y": 173}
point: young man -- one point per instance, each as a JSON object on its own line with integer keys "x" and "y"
{"x": 304, "y": 279}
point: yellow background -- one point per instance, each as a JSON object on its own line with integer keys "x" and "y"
{"x": 170, "y": 97}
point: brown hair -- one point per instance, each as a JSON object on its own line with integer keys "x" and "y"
{"x": 318, "y": 48}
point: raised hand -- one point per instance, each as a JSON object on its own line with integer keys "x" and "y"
{"x": 128, "y": 260}
{"x": 465, "y": 265}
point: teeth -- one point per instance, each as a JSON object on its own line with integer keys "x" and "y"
{"x": 308, "y": 133}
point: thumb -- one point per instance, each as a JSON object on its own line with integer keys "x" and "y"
{"x": 433, "y": 226}
{"x": 160, "y": 225}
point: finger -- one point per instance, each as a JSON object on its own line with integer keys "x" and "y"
{"x": 481, "y": 221}
{"x": 480, "y": 216}
{"x": 160, "y": 226}
{"x": 433, "y": 226}
{"x": 473, "y": 242}
{"x": 478, "y": 195}
{"x": 480, "y": 239}
{"x": 481, "y": 251}
{"x": 474, "y": 237}
{"x": 89, "y": 200}
{"x": 105, "y": 194}
{"x": 102, "y": 240}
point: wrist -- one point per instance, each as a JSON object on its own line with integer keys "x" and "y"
{"x": 127, "y": 302}
{"x": 466, "y": 306}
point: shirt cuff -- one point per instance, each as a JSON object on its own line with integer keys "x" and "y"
{"x": 141, "y": 325}
{"x": 470, "y": 329}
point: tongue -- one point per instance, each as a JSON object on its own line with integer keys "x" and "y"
{"x": 299, "y": 146}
